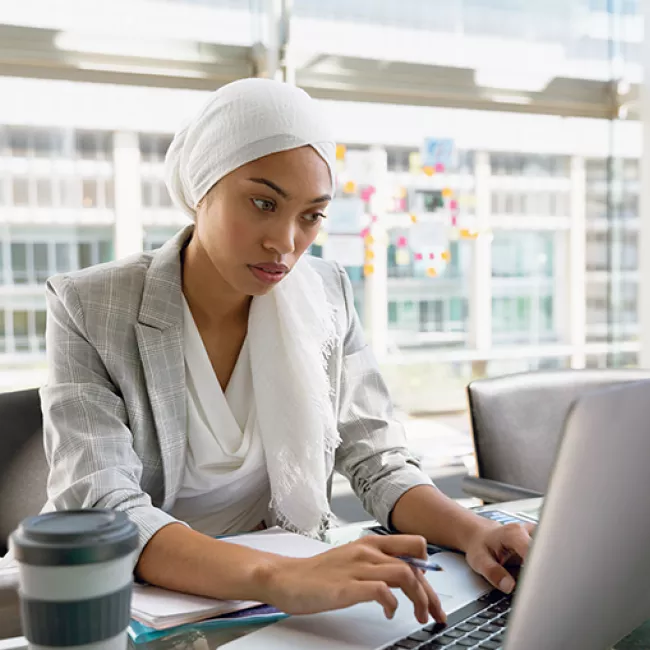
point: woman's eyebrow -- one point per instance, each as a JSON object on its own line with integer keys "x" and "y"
{"x": 276, "y": 188}
{"x": 283, "y": 193}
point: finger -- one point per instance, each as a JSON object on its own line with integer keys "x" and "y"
{"x": 494, "y": 573}
{"x": 530, "y": 528}
{"x": 403, "y": 577}
{"x": 435, "y": 607}
{"x": 516, "y": 539}
{"x": 365, "y": 591}
{"x": 413, "y": 545}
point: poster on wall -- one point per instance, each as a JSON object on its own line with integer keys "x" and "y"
{"x": 437, "y": 153}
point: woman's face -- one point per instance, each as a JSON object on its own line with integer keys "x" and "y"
{"x": 257, "y": 221}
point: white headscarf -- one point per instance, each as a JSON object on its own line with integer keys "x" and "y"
{"x": 291, "y": 330}
{"x": 241, "y": 122}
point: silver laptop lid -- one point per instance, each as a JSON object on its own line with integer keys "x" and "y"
{"x": 587, "y": 581}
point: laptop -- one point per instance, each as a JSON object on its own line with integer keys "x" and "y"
{"x": 586, "y": 583}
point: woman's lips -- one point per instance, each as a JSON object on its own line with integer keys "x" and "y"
{"x": 269, "y": 273}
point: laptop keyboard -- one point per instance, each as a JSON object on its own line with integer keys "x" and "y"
{"x": 480, "y": 625}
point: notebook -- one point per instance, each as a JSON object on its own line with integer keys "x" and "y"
{"x": 161, "y": 609}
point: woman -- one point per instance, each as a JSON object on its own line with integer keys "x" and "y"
{"x": 219, "y": 381}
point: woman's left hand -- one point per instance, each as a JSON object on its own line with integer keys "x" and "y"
{"x": 491, "y": 548}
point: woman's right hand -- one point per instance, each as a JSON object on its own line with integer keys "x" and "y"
{"x": 358, "y": 572}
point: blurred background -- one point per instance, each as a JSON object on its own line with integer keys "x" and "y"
{"x": 489, "y": 183}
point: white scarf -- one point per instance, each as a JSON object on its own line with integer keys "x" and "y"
{"x": 291, "y": 329}
{"x": 291, "y": 334}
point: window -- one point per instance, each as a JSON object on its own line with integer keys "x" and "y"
{"x": 154, "y": 147}
{"x": 40, "y": 318}
{"x": 71, "y": 193}
{"x": 165, "y": 199}
{"x": 2, "y": 331}
{"x": 154, "y": 194}
{"x": 432, "y": 201}
{"x": 21, "y": 331}
{"x": 458, "y": 309}
{"x": 496, "y": 207}
{"x": 105, "y": 251}
{"x": 19, "y": 142}
{"x": 89, "y": 190}
{"x": 42, "y": 143}
{"x": 21, "y": 191}
{"x": 62, "y": 255}
{"x": 44, "y": 192}
{"x": 86, "y": 145}
{"x": 19, "y": 262}
{"x": 405, "y": 315}
{"x": 392, "y": 313}
{"x": 85, "y": 255}
{"x": 431, "y": 316}
{"x": 147, "y": 194}
{"x": 41, "y": 262}
{"x": 109, "y": 189}
{"x": 398, "y": 158}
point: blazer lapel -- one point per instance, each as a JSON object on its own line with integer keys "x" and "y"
{"x": 160, "y": 342}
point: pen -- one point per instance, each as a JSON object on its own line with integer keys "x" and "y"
{"x": 423, "y": 565}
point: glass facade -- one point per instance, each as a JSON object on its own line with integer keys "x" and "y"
{"x": 471, "y": 259}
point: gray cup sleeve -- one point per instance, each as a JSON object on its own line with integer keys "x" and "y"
{"x": 62, "y": 624}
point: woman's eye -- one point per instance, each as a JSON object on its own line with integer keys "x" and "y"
{"x": 264, "y": 205}
{"x": 315, "y": 217}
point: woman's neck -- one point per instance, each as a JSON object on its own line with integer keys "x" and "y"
{"x": 212, "y": 301}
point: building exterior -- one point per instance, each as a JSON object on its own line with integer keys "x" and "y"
{"x": 551, "y": 280}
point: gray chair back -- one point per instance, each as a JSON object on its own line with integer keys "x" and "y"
{"x": 517, "y": 420}
{"x": 23, "y": 468}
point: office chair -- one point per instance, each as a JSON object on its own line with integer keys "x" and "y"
{"x": 517, "y": 421}
{"x": 23, "y": 467}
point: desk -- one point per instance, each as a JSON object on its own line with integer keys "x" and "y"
{"x": 9, "y": 624}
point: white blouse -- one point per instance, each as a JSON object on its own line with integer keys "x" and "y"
{"x": 226, "y": 486}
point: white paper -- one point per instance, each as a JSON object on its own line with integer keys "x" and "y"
{"x": 160, "y": 608}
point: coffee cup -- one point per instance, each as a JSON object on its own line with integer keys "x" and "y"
{"x": 75, "y": 578}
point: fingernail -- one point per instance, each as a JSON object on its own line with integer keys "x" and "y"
{"x": 507, "y": 584}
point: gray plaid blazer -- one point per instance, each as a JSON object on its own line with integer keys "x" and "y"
{"x": 114, "y": 405}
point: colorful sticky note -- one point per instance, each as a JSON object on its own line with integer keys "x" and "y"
{"x": 370, "y": 256}
{"x": 402, "y": 257}
{"x": 418, "y": 257}
{"x": 453, "y": 204}
{"x": 341, "y": 150}
{"x": 350, "y": 187}
{"x": 428, "y": 171}
{"x": 440, "y": 168}
{"x": 402, "y": 242}
{"x": 369, "y": 239}
{"x": 368, "y": 269}
{"x": 414, "y": 219}
{"x": 431, "y": 272}
{"x": 447, "y": 192}
{"x": 445, "y": 256}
